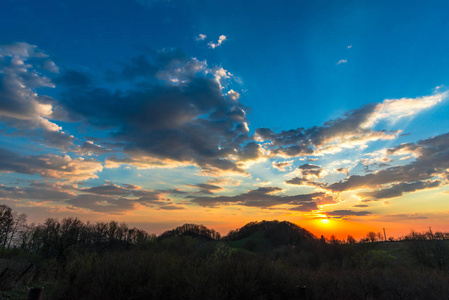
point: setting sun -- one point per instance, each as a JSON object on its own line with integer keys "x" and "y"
{"x": 325, "y": 221}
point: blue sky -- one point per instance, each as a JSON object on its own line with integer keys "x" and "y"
{"x": 221, "y": 112}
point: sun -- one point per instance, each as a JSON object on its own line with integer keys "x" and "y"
{"x": 325, "y": 221}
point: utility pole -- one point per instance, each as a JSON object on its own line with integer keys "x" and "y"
{"x": 385, "y": 235}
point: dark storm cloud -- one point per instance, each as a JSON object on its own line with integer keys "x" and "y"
{"x": 262, "y": 197}
{"x": 432, "y": 160}
{"x": 178, "y": 113}
{"x": 398, "y": 190}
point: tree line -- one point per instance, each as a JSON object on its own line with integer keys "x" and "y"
{"x": 262, "y": 260}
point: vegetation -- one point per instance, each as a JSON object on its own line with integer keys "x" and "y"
{"x": 261, "y": 260}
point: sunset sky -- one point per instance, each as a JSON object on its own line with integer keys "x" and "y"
{"x": 159, "y": 113}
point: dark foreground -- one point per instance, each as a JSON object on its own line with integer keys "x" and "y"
{"x": 267, "y": 260}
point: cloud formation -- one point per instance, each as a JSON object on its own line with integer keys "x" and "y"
{"x": 37, "y": 191}
{"x": 262, "y": 197}
{"x": 23, "y": 69}
{"x": 353, "y": 129}
{"x": 432, "y": 161}
{"x": 49, "y": 165}
{"x": 397, "y": 190}
{"x": 113, "y": 198}
{"x": 178, "y": 115}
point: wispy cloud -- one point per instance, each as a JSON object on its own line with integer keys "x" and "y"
{"x": 342, "y": 61}
{"x": 201, "y": 37}
{"x": 344, "y": 213}
{"x": 262, "y": 197}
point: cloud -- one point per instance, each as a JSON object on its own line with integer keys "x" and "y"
{"x": 133, "y": 192}
{"x": 353, "y": 129}
{"x": 282, "y": 165}
{"x": 178, "y": 115}
{"x": 109, "y": 189}
{"x": 343, "y": 170}
{"x": 305, "y": 207}
{"x": 262, "y": 197}
{"x": 113, "y": 198}
{"x": 394, "y": 109}
{"x": 233, "y": 95}
{"x": 102, "y": 204}
{"x": 206, "y": 188}
{"x": 22, "y": 73}
{"x": 432, "y": 161}
{"x": 222, "y": 181}
{"x": 37, "y": 191}
{"x": 201, "y": 37}
{"x": 171, "y": 207}
{"x": 342, "y": 61}
{"x": 49, "y": 165}
{"x": 347, "y": 213}
{"x": 401, "y": 217}
{"x": 90, "y": 148}
{"x": 310, "y": 171}
{"x": 398, "y": 190}
{"x": 349, "y": 46}
{"x": 221, "y": 39}
{"x": 304, "y": 181}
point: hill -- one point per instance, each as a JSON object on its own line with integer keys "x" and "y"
{"x": 266, "y": 235}
{"x": 192, "y": 230}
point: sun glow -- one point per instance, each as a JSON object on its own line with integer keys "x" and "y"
{"x": 325, "y": 221}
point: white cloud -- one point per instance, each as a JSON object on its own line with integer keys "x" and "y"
{"x": 23, "y": 67}
{"x": 395, "y": 109}
{"x": 233, "y": 95}
{"x": 342, "y": 61}
{"x": 220, "y": 41}
{"x": 201, "y": 37}
{"x": 221, "y": 75}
